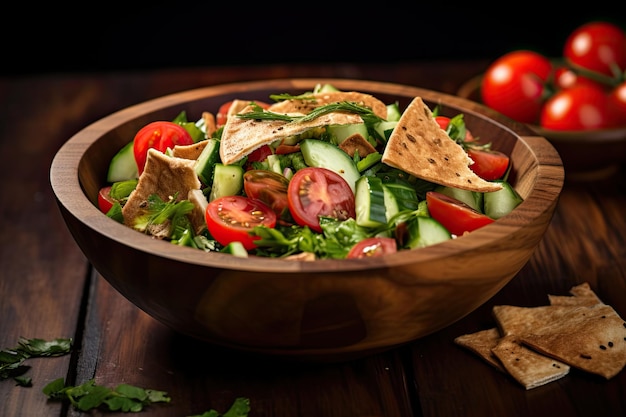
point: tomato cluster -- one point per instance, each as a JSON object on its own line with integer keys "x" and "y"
{"x": 585, "y": 89}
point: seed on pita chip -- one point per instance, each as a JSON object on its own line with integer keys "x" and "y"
{"x": 241, "y": 135}
{"x": 315, "y": 100}
{"x": 592, "y": 339}
{"x": 481, "y": 343}
{"x": 420, "y": 147}
{"x": 528, "y": 367}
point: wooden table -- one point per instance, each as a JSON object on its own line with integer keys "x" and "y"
{"x": 48, "y": 289}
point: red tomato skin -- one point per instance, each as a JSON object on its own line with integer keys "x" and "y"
{"x": 231, "y": 218}
{"x": 105, "y": 201}
{"x": 489, "y": 165}
{"x": 597, "y": 46}
{"x": 444, "y": 121}
{"x": 514, "y": 84}
{"x": 315, "y": 192}
{"x": 581, "y": 107}
{"x": 373, "y": 247}
{"x": 617, "y": 104}
{"x": 566, "y": 78}
{"x": 454, "y": 215}
{"x": 269, "y": 187}
{"x": 159, "y": 135}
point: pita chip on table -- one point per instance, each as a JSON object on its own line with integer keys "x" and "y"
{"x": 481, "y": 343}
{"x": 420, "y": 147}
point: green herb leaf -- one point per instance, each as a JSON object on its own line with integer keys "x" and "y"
{"x": 12, "y": 360}
{"x": 239, "y": 408}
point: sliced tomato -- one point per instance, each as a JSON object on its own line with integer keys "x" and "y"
{"x": 269, "y": 187}
{"x": 159, "y": 135}
{"x": 454, "y": 215}
{"x": 105, "y": 201}
{"x": 315, "y": 192}
{"x": 489, "y": 165}
{"x": 373, "y": 246}
{"x": 232, "y": 218}
{"x": 222, "y": 112}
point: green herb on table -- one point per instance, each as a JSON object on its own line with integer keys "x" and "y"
{"x": 12, "y": 360}
{"x": 88, "y": 396}
{"x": 240, "y": 408}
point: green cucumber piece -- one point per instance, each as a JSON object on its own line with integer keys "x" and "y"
{"x": 227, "y": 180}
{"x": 502, "y": 202}
{"x": 471, "y": 198}
{"x": 339, "y": 133}
{"x": 235, "y": 248}
{"x": 207, "y": 159}
{"x": 384, "y": 128}
{"x": 393, "y": 112}
{"x": 123, "y": 166}
{"x": 405, "y": 195}
{"x": 374, "y": 203}
{"x": 318, "y": 153}
{"x": 426, "y": 231}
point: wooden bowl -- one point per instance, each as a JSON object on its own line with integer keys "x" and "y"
{"x": 587, "y": 155}
{"x": 327, "y": 310}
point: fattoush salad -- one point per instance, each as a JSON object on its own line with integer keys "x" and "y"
{"x": 323, "y": 174}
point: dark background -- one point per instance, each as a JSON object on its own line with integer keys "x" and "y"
{"x": 113, "y": 37}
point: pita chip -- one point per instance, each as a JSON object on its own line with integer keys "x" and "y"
{"x": 592, "y": 339}
{"x": 420, "y": 147}
{"x": 526, "y": 366}
{"x": 481, "y": 343}
{"x": 312, "y": 101}
{"x": 241, "y": 136}
{"x": 581, "y": 295}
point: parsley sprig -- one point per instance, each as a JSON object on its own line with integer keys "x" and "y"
{"x": 12, "y": 360}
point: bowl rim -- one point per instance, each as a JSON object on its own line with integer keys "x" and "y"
{"x": 64, "y": 180}
{"x": 471, "y": 87}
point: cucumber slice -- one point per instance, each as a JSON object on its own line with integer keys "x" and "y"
{"x": 227, "y": 180}
{"x": 375, "y": 203}
{"x": 235, "y": 248}
{"x": 123, "y": 166}
{"x": 207, "y": 159}
{"x": 339, "y": 133}
{"x": 393, "y": 112}
{"x": 500, "y": 203}
{"x": 405, "y": 195}
{"x": 318, "y": 153}
{"x": 471, "y": 198}
{"x": 385, "y": 128}
{"x": 425, "y": 231}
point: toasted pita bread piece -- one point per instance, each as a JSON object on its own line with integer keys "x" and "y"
{"x": 526, "y": 366}
{"x": 420, "y": 147}
{"x": 356, "y": 143}
{"x": 192, "y": 151}
{"x": 164, "y": 176}
{"x": 307, "y": 105}
{"x": 592, "y": 339}
{"x": 241, "y": 136}
{"x": 582, "y": 295}
{"x": 481, "y": 343}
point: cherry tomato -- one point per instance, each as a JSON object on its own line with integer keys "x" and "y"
{"x": 488, "y": 164}
{"x": 597, "y": 46}
{"x": 269, "y": 187}
{"x": 617, "y": 104}
{"x": 222, "y": 112}
{"x": 258, "y": 155}
{"x": 315, "y": 192}
{"x": 454, "y": 215}
{"x": 514, "y": 85}
{"x": 232, "y": 218}
{"x": 373, "y": 246}
{"x": 159, "y": 135}
{"x": 105, "y": 201}
{"x": 567, "y": 78}
{"x": 578, "y": 108}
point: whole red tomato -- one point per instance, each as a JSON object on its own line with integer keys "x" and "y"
{"x": 565, "y": 77}
{"x": 514, "y": 85}
{"x": 597, "y": 46}
{"x": 617, "y": 104}
{"x": 580, "y": 107}
{"x": 159, "y": 135}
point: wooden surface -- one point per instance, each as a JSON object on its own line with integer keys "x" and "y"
{"x": 48, "y": 290}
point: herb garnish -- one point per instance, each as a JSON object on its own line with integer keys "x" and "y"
{"x": 12, "y": 360}
{"x": 368, "y": 116}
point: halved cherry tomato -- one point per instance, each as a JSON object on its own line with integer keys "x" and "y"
{"x": 315, "y": 192}
{"x": 159, "y": 135}
{"x": 258, "y": 155}
{"x": 222, "y": 112}
{"x": 454, "y": 215}
{"x": 373, "y": 246}
{"x": 597, "y": 46}
{"x": 232, "y": 218}
{"x": 488, "y": 164}
{"x": 514, "y": 84}
{"x": 577, "y": 108}
{"x": 105, "y": 201}
{"x": 269, "y": 187}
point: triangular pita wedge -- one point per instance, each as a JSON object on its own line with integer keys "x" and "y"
{"x": 306, "y": 105}
{"x": 420, "y": 147}
{"x": 481, "y": 343}
{"x": 592, "y": 339}
{"x": 528, "y": 367}
{"x": 582, "y": 295}
{"x": 241, "y": 136}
